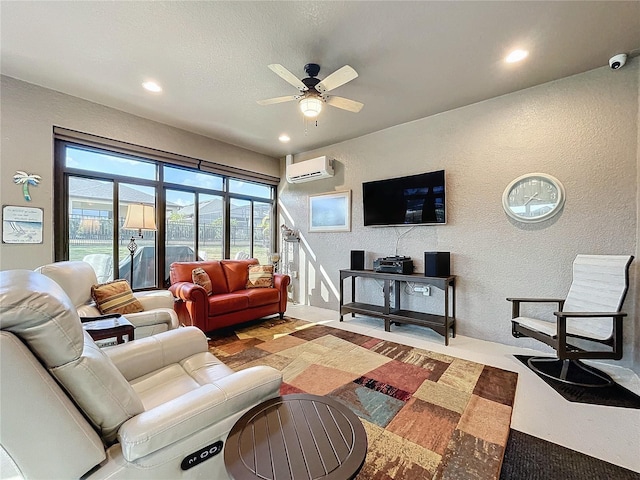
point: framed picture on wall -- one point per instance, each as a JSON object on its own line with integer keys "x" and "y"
{"x": 21, "y": 224}
{"x": 330, "y": 212}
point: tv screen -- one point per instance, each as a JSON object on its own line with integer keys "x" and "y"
{"x": 413, "y": 200}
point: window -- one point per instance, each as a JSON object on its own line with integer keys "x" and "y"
{"x": 199, "y": 214}
{"x": 104, "y": 162}
{"x": 210, "y": 226}
{"x": 192, "y": 178}
{"x": 90, "y": 224}
{"x": 142, "y": 261}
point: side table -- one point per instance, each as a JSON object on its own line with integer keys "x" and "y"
{"x": 108, "y": 326}
{"x": 298, "y": 436}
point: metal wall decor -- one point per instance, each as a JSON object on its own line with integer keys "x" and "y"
{"x": 25, "y": 179}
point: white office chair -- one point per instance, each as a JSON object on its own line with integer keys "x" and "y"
{"x": 588, "y": 323}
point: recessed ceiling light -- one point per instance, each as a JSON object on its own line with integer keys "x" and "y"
{"x": 516, "y": 56}
{"x": 284, "y": 138}
{"x": 152, "y": 87}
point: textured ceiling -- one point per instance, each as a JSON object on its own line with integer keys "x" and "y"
{"x": 414, "y": 59}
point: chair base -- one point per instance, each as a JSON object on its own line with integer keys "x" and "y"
{"x": 572, "y": 372}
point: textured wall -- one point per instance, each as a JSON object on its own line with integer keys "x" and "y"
{"x": 583, "y": 130}
{"x": 636, "y": 320}
{"x": 28, "y": 115}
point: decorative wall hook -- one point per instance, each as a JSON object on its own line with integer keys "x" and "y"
{"x": 26, "y": 179}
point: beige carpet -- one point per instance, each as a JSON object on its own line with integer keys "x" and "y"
{"x": 427, "y": 415}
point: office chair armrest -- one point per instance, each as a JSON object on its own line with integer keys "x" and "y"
{"x": 589, "y": 314}
{"x": 534, "y": 300}
{"x": 515, "y": 303}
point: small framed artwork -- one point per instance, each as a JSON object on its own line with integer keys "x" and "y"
{"x": 330, "y": 212}
{"x": 21, "y": 224}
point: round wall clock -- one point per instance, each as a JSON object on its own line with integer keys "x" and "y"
{"x": 533, "y": 197}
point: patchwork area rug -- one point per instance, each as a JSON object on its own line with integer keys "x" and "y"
{"x": 427, "y": 415}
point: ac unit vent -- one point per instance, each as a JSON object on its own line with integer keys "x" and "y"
{"x": 309, "y": 170}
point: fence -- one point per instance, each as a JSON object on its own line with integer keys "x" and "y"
{"x": 91, "y": 231}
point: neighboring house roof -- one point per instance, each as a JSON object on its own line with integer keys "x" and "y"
{"x": 214, "y": 207}
{"x": 90, "y": 189}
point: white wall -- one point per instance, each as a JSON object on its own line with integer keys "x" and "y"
{"x": 583, "y": 130}
{"x": 637, "y": 291}
{"x": 28, "y": 115}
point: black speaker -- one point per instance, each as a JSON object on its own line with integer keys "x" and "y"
{"x": 437, "y": 264}
{"x": 357, "y": 259}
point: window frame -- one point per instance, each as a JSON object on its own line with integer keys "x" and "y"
{"x": 62, "y": 173}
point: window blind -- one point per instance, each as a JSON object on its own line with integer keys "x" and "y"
{"x": 117, "y": 146}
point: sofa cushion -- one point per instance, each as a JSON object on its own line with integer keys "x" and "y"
{"x": 182, "y": 272}
{"x": 260, "y": 276}
{"x": 115, "y": 297}
{"x": 226, "y": 303}
{"x": 262, "y": 296}
{"x": 236, "y": 272}
{"x": 200, "y": 277}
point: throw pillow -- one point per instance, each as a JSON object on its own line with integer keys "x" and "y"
{"x": 200, "y": 277}
{"x": 115, "y": 297}
{"x": 260, "y": 276}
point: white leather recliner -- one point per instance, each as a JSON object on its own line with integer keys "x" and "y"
{"x": 77, "y": 277}
{"x": 148, "y": 409}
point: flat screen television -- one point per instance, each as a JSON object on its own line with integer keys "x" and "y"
{"x": 412, "y": 200}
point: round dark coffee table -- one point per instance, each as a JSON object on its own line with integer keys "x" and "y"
{"x": 295, "y": 437}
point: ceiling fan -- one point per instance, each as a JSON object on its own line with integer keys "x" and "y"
{"x": 313, "y": 90}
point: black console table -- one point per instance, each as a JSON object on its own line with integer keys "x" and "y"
{"x": 439, "y": 323}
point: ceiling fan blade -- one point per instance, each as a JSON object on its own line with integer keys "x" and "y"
{"x": 288, "y": 76}
{"x": 345, "y": 104}
{"x": 337, "y": 78}
{"x": 271, "y": 101}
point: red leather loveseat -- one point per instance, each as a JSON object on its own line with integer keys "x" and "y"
{"x": 231, "y": 302}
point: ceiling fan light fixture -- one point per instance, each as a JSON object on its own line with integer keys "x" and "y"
{"x": 311, "y": 106}
{"x": 516, "y": 56}
{"x": 152, "y": 86}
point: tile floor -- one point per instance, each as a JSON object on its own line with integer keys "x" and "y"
{"x": 609, "y": 433}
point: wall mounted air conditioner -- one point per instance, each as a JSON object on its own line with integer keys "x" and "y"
{"x": 314, "y": 169}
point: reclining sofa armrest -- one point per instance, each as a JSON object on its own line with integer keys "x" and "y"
{"x": 153, "y": 299}
{"x": 179, "y": 418}
{"x": 154, "y": 317}
{"x": 137, "y": 358}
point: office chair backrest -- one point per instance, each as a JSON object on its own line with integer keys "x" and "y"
{"x": 600, "y": 284}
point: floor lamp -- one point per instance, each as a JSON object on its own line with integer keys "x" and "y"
{"x": 139, "y": 217}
